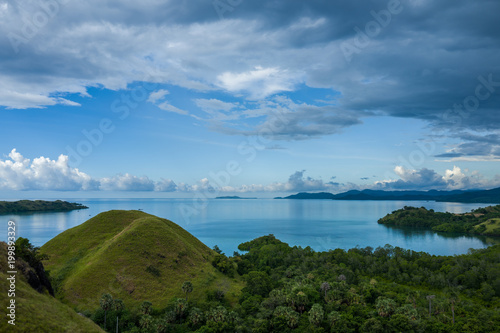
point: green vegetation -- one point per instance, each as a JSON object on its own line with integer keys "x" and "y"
{"x": 28, "y": 206}
{"x": 294, "y": 289}
{"x": 36, "y": 312}
{"x": 133, "y": 256}
{"x": 483, "y": 221}
{"x": 105, "y": 267}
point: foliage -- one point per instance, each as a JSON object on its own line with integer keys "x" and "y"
{"x": 484, "y": 221}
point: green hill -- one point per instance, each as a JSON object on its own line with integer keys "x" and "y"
{"x": 37, "y": 312}
{"x": 133, "y": 256}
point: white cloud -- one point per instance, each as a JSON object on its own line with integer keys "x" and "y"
{"x": 127, "y": 182}
{"x": 158, "y": 95}
{"x": 259, "y": 83}
{"x": 20, "y": 173}
{"x": 213, "y": 104}
{"x": 454, "y": 179}
{"x": 169, "y": 107}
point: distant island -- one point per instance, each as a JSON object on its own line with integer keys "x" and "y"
{"x": 232, "y": 197}
{"x": 28, "y": 206}
{"x": 481, "y": 221}
{"x": 471, "y": 196}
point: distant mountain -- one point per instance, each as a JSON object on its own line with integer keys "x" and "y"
{"x": 470, "y": 196}
{"x": 305, "y": 195}
{"x": 232, "y": 197}
{"x": 487, "y": 196}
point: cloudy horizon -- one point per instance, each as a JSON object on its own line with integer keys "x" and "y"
{"x": 257, "y": 98}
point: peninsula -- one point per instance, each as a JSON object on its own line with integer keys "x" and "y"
{"x": 28, "y": 206}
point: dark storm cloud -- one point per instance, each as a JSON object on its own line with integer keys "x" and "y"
{"x": 435, "y": 61}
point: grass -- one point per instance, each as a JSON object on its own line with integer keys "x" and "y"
{"x": 36, "y": 312}
{"x": 133, "y": 256}
{"x": 491, "y": 226}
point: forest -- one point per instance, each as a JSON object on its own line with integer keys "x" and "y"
{"x": 28, "y": 206}
{"x": 481, "y": 221}
{"x": 294, "y": 289}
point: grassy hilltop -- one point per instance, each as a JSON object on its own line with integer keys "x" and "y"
{"x": 37, "y": 312}
{"x": 135, "y": 257}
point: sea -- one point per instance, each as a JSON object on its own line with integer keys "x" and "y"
{"x": 320, "y": 224}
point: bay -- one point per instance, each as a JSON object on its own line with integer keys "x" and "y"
{"x": 320, "y": 224}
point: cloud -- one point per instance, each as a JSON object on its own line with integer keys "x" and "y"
{"x": 41, "y": 173}
{"x": 428, "y": 58}
{"x": 259, "y": 82}
{"x": 284, "y": 119}
{"x": 475, "y": 148}
{"x": 158, "y": 95}
{"x": 169, "y": 107}
{"x": 425, "y": 179}
{"x": 20, "y": 173}
{"x": 126, "y": 182}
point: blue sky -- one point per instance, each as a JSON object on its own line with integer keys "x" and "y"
{"x": 251, "y": 98}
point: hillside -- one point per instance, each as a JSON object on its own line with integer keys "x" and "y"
{"x": 37, "y": 312}
{"x": 27, "y": 206}
{"x": 133, "y": 256}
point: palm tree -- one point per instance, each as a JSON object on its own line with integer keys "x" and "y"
{"x": 187, "y": 287}
{"x": 195, "y": 316}
{"x": 146, "y": 307}
{"x": 180, "y": 307}
{"x": 325, "y": 286}
{"x": 429, "y": 298}
{"x": 413, "y": 295}
{"x": 316, "y": 314}
{"x": 333, "y": 317}
{"x": 145, "y": 321}
{"x": 119, "y": 306}
{"x": 106, "y": 303}
{"x": 385, "y": 306}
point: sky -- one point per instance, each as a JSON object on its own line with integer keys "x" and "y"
{"x": 251, "y": 98}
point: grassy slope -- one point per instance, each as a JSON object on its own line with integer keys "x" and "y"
{"x": 112, "y": 251}
{"x": 37, "y": 312}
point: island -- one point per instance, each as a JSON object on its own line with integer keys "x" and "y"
{"x": 32, "y": 206}
{"x": 464, "y": 196}
{"x": 232, "y": 197}
{"x": 481, "y": 221}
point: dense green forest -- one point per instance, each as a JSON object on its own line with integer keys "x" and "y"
{"x": 483, "y": 221}
{"x": 294, "y": 289}
{"x": 25, "y": 206}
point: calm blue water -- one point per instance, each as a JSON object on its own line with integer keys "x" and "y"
{"x": 320, "y": 224}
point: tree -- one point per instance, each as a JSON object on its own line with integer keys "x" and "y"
{"x": 146, "y": 307}
{"x": 118, "y": 306}
{"x": 187, "y": 287}
{"x": 325, "y": 286}
{"x": 195, "y": 316}
{"x": 316, "y": 314}
{"x": 106, "y": 303}
{"x": 333, "y": 317}
{"x": 180, "y": 307}
{"x": 385, "y": 306}
{"x": 430, "y": 298}
{"x": 145, "y": 321}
